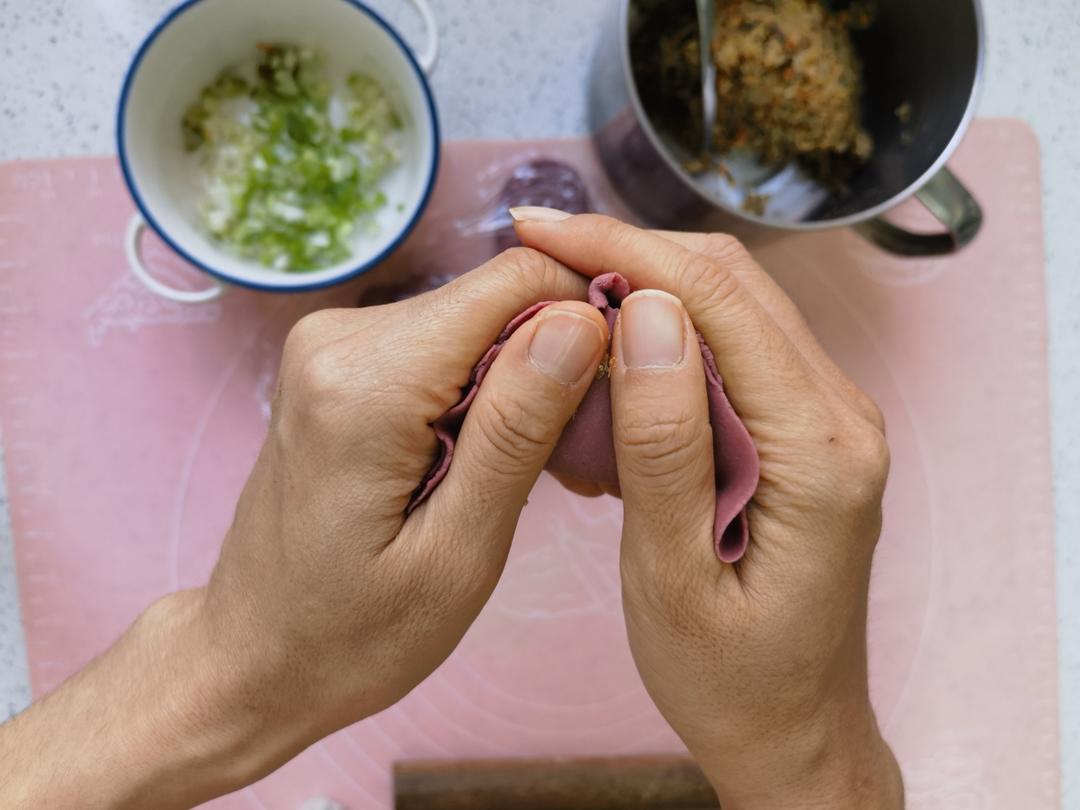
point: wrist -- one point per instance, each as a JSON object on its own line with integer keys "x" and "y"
{"x": 164, "y": 719}
{"x": 833, "y": 765}
{"x": 208, "y": 722}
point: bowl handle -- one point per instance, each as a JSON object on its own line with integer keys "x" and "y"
{"x": 430, "y": 54}
{"x": 952, "y": 204}
{"x": 133, "y": 249}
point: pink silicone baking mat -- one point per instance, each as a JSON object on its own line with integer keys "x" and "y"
{"x": 130, "y": 423}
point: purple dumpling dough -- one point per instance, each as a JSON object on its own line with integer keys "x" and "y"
{"x": 586, "y": 449}
{"x": 545, "y": 183}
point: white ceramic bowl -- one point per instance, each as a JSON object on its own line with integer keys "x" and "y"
{"x": 187, "y": 50}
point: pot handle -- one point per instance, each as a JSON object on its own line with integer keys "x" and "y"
{"x": 430, "y": 55}
{"x": 948, "y": 200}
{"x": 133, "y": 249}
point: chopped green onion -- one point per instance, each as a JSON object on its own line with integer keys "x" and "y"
{"x": 291, "y": 165}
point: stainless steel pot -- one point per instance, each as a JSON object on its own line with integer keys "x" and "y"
{"x": 924, "y": 55}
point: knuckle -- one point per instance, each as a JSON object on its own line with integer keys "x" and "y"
{"x": 870, "y": 410}
{"x": 521, "y": 272}
{"x": 738, "y": 261}
{"x": 319, "y": 393}
{"x": 513, "y": 430}
{"x": 659, "y": 447}
{"x": 524, "y": 264}
{"x": 726, "y": 248}
{"x": 306, "y": 334}
{"x": 871, "y": 454}
{"x": 829, "y": 457}
{"x": 658, "y": 438}
{"x": 320, "y": 376}
{"x": 610, "y": 230}
{"x": 612, "y": 239}
{"x": 704, "y": 280}
{"x": 862, "y": 469}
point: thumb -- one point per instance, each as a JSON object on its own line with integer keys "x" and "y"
{"x": 527, "y": 397}
{"x": 663, "y": 440}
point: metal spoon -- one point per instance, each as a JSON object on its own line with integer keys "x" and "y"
{"x": 706, "y": 10}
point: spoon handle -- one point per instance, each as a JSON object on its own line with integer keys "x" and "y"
{"x": 706, "y": 10}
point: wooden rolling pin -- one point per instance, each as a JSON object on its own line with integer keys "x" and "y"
{"x": 630, "y": 783}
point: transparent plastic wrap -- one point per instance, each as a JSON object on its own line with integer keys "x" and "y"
{"x": 455, "y": 238}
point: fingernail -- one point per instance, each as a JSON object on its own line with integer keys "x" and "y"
{"x": 565, "y": 346}
{"x": 652, "y": 330}
{"x": 535, "y": 213}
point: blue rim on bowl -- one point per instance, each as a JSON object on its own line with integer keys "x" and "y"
{"x": 433, "y": 168}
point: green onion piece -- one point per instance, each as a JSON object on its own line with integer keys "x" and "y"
{"x": 291, "y": 167}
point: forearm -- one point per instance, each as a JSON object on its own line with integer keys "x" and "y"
{"x": 158, "y": 721}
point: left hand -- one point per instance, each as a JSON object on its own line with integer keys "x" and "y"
{"x": 330, "y": 591}
{"x": 327, "y": 603}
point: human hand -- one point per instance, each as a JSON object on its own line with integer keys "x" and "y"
{"x": 760, "y": 667}
{"x": 327, "y": 604}
{"x": 333, "y": 604}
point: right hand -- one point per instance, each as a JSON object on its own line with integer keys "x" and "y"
{"x": 760, "y": 667}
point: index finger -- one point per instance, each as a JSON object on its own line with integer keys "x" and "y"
{"x": 456, "y": 324}
{"x": 760, "y": 365}
{"x": 782, "y": 309}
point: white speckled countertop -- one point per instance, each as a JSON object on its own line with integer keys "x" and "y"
{"x": 516, "y": 69}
